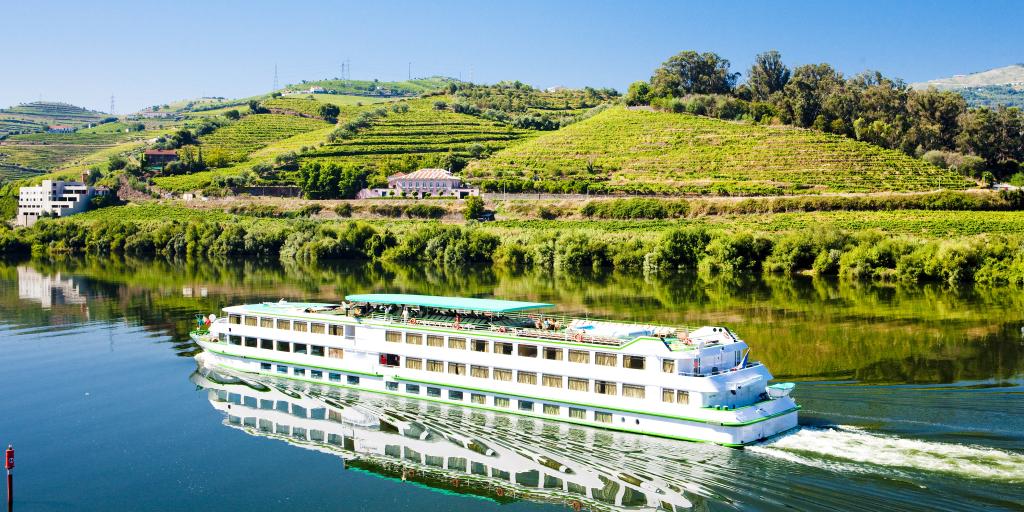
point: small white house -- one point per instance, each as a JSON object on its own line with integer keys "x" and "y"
{"x": 54, "y": 199}
{"x": 422, "y": 183}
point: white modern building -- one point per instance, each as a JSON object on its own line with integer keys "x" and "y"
{"x": 54, "y": 199}
{"x": 422, "y": 183}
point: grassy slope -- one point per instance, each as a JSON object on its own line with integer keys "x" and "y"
{"x": 684, "y": 153}
{"x": 256, "y": 131}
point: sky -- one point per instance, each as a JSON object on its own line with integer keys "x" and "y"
{"x": 145, "y": 53}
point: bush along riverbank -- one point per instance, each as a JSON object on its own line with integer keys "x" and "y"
{"x": 986, "y": 259}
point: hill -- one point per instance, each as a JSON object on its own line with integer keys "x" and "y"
{"x": 636, "y": 150}
{"x": 37, "y": 115}
{"x": 999, "y": 86}
{"x": 404, "y": 88}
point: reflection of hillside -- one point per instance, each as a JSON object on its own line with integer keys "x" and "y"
{"x": 456, "y": 450}
{"x": 800, "y": 327}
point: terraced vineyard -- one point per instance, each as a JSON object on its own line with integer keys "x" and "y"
{"x": 419, "y": 132}
{"x": 44, "y": 113}
{"x": 256, "y": 131}
{"x": 643, "y": 151}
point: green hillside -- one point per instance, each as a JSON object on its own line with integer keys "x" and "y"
{"x": 37, "y": 115}
{"x": 376, "y": 87}
{"x": 253, "y": 132}
{"x": 636, "y": 150}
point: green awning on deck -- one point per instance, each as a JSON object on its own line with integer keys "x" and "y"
{"x": 461, "y": 303}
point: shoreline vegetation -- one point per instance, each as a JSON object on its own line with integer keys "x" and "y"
{"x": 926, "y": 238}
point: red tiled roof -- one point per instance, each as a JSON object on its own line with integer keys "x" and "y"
{"x": 425, "y": 174}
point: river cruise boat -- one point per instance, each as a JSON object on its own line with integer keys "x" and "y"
{"x": 694, "y": 384}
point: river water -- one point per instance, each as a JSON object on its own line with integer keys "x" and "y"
{"x": 913, "y": 399}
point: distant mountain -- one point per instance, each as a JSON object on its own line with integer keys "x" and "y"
{"x": 37, "y": 115}
{"x": 999, "y": 86}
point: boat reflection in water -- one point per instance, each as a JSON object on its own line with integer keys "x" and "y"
{"x": 503, "y": 458}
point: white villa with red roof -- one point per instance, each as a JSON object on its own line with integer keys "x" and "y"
{"x": 423, "y": 183}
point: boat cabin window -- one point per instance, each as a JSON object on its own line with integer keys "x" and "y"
{"x": 579, "y": 414}
{"x": 435, "y": 366}
{"x": 457, "y": 368}
{"x": 250, "y": 342}
{"x": 668, "y": 365}
{"x": 552, "y": 409}
{"x": 393, "y": 336}
{"x": 223, "y": 337}
{"x": 300, "y": 326}
{"x": 481, "y": 372}
{"x": 457, "y": 343}
{"x": 299, "y": 348}
{"x": 502, "y": 348}
{"x": 454, "y": 395}
{"x": 633, "y": 391}
{"x": 389, "y": 360}
{"x": 316, "y": 374}
{"x": 352, "y": 379}
{"x": 414, "y": 363}
{"x": 577, "y": 384}
{"x": 502, "y": 374}
{"x": 266, "y": 322}
{"x": 552, "y": 381}
{"x": 334, "y": 377}
{"x": 552, "y": 353}
{"x": 317, "y": 328}
{"x": 479, "y": 346}
{"x": 284, "y": 346}
{"x": 336, "y": 353}
{"x": 528, "y": 350}
{"x": 414, "y": 339}
{"x": 634, "y": 362}
{"x": 235, "y": 319}
{"x": 477, "y": 398}
{"x": 435, "y": 341}
{"x": 235, "y": 340}
{"x": 579, "y": 356}
{"x": 435, "y": 392}
{"x": 605, "y": 388}
{"x": 605, "y": 359}
{"x": 282, "y": 368}
{"x": 316, "y": 350}
{"x": 525, "y": 405}
{"x": 250, "y": 321}
{"x": 301, "y": 372}
{"x": 526, "y": 377}
{"x": 283, "y": 324}
{"x": 412, "y": 388}
{"x": 602, "y": 417}
{"x": 500, "y": 401}
{"x": 266, "y": 344}
{"x": 334, "y": 329}
{"x": 350, "y": 331}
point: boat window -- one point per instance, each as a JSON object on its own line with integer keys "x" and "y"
{"x": 552, "y": 381}
{"x": 552, "y": 409}
{"x": 502, "y": 374}
{"x": 577, "y": 384}
{"x": 299, "y": 348}
{"x": 412, "y": 388}
{"x": 393, "y": 336}
{"x": 390, "y": 360}
{"x": 266, "y": 322}
{"x": 457, "y": 343}
{"x": 482, "y": 372}
{"x": 300, "y": 372}
{"x": 264, "y": 366}
{"x": 236, "y": 340}
{"x": 350, "y": 331}
{"x": 317, "y": 328}
{"x": 391, "y": 386}
{"x": 527, "y": 377}
{"x": 634, "y": 362}
{"x": 334, "y": 377}
{"x": 284, "y": 346}
{"x": 555, "y": 354}
{"x": 477, "y": 398}
{"x": 435, "y": 366}
{"x": 435, "y": 392}
{"x": 500, "y": 401}
{"x": 435, "y": 341}
{"x": 525, "y": 405}
{"x": 414, "y": 339}
{"x": 605, "y": 388}
{"x": 284, "y": 324}
{"x": 250, "y": 342}
{"x": 223, "y": 337}
{"x": 683, "y": 397}
{"x": 334, "y": 329}
{"x": 282, "y": 368}
{"x": 250, "y": 321}
{"x": 316, "y": 374}
{"x": 528, "y": 350}
{"x": 668, "y": 395}
{"x": 479, "y": 346}
{"x": 456, "y": 368}
{"x": 316, "y": 350}
{"x": 414, "y": 363}
{"x": 668, "y": 365}
{"x": 300, "y": 326}
{"x": 456, "y": 464}
{"x": 336, "y": 353}
{"x": 235, "y": 319}
{"x": 633, "y": 391}
{"x": 503, "y": 348}
{"x": 266, "y": 344}
{"x": 602, "y": 417}
{"x": 605, "y": 359}
{"x": 454, "y": 395}
{"x": 353, "y": 379}
{"x": 579, "y": 414}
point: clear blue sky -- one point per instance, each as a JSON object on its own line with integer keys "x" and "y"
{"x": 153, "y": 52}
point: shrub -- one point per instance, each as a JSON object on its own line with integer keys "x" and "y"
{"x": 474, "y": 207}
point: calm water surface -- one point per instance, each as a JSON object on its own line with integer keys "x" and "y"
{"x": 913, "y": 399}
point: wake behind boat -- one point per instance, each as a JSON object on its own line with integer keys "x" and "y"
{"x": 675, "y": 382}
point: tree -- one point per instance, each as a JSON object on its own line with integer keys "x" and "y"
{"x": 689, "y": 72}
{"x": 804, "y": 96}
{"x": 256, "y": 108}
{"x": 116, "y": 163}
{"x": 328, "y": 112}
{"x": 639, "y": 93}
{"x": 232, "y": 114}
{"x": 934, "y": 118}
{"x": 331, "y": 181}
{"x": 767, "y": 75}
{"x": 474, "y": 207}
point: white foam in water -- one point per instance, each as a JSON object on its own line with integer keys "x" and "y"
{"x": 835, "y": 448}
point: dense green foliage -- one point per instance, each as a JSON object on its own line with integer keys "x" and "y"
{"x": 523, "y": 106}
{"x": 236, "y": 141}
{"x": 992, "y": 96}
{"x": 376, "y": 87}
{"x": 331, "y": 180}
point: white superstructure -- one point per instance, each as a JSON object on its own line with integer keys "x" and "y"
{"x": 54, "y": 198}
{"x": 693, "y": 384}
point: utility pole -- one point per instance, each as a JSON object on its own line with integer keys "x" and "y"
{"x": 410, "y": 71}
{"x": 111, "y": 104}
{"x": 275, "y": 77}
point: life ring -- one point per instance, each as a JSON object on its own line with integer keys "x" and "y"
{"x": 455, "y": 482}
{"x": 500, "y": 492}
{"x": 412, "y": 321}
{"x": 502, "y": 329}
{"x": 576, "y": 505}
{"x": 411, "y": 473}
{"x": 578, "y": 337}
